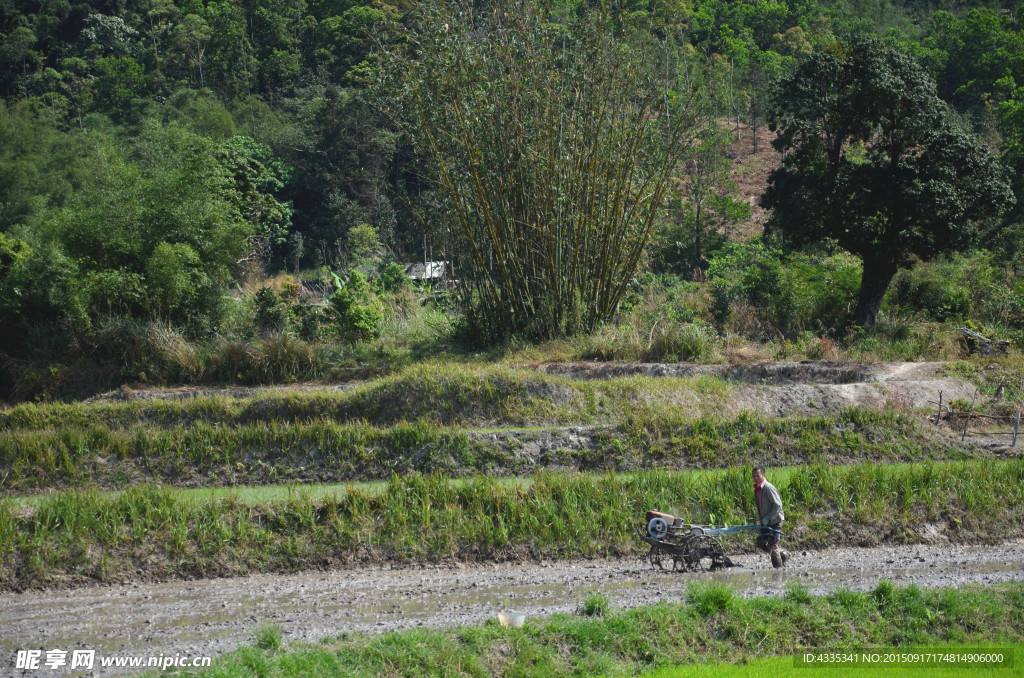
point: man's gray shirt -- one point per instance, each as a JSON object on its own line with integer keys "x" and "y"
{"x": 769, "y": 506}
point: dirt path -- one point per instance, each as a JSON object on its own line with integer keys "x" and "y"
{"x": 808, "y": 388}
{"x": 211, "y": 617}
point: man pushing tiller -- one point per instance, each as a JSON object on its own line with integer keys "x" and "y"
{"x": 688, "y": 546}
{"x": 769, "y": 509}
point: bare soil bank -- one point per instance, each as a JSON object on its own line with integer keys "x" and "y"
{"x": 800, "y": 388}
{"x": 210, "y": 617}
{"x": 779, "y": 389}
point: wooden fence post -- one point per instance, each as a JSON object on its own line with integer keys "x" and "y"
{"x": 967, "y": 421}
{"x": 1016, "y": 425}
{"x": 938, "y": 417}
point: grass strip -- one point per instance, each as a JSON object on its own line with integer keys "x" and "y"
{"x": 771, "y": 667}
{"x": 262, "y": 494}
{"x": 436, "y": 392}
{"x": 324, "y": 451}
{"x": 712, "y": 627}
{"x": 153, "y": 533}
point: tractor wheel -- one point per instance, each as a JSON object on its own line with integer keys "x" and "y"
{"x": 705, "y": 553}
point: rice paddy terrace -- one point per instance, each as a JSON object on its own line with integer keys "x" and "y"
{"x": 537, "y": 473}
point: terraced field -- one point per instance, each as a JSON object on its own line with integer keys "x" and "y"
{"x": 452, "y": 466}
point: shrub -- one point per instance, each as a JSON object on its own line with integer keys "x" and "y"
{"x": 175, "y": 279}
{"x": 283, "y": 358}
{"x": 363, "y": 241}
{"x": 356, "y": 314}
{"x": 145, "y": 351}
{"x": 361, "y": 323}
{"x": 931, "y": 292}
{"x": 960, "y": 287}
{"x": 269, "y": 313}
{"x": 686, "y": 342}
{"x": 311, "y": 319}
{"x": 393, "y": 278}
{"x": 786, "y": 294}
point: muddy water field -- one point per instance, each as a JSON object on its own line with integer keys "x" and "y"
{"x": 211, "y": 617}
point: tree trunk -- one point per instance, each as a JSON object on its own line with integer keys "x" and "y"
{"x": 873, "y": 284}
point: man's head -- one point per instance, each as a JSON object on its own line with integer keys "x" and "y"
{"x": 758, "y": 474}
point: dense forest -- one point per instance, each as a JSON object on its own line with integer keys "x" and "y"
{"x": 225, "y": 191}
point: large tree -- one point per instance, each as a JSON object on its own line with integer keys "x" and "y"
{"x": 875, "y": 161}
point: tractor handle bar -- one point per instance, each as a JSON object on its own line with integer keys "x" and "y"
{"x": 736, "y": 528}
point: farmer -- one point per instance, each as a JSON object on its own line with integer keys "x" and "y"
{"x": 769, "y": 509}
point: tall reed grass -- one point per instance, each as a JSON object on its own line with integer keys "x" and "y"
{"x": 89, "y": 536}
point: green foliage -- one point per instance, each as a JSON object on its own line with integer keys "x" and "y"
{"x": 959, "y": 289}
{"x": 310, "y": 322}
{"x": 152, "y": 155}
{"x": 355, "y": 311}
{"x": 393, "y": 278}
{"x": 931, "y": 292}
{"x": 703, "y": 210}
{"x": 269, "y": 314}
{"x": 785, "y": 294}
{"x": 1010, "y": 116}
{"x": 257, "y": 176}
{"x": 14, "y": 254}
{"x": 874, "y": 163}
{"x": 119, "y": 84}
{"x": 192, "y": 36}
{"x": 175, "y": 277}
{"x": 153, "y": 228}
{"x": 363, "y": 241}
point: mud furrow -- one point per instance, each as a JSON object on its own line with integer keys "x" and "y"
{"x": 210, "y": 617}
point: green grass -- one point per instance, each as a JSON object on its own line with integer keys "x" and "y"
{"x": 742, "y": 638}
{"x": 266, "y": 494}
{"x": 1003, "y": 374}
{"x": 78, "y": 537}
{"x": 773, "y": 667}
{"x": 453, "y": 394}
{"x": 269, "y": 494}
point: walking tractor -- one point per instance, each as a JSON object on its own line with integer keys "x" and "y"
{"x": 690, "y": 547}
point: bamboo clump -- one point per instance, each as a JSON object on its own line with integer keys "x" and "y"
{"x": 554, "y": 144}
